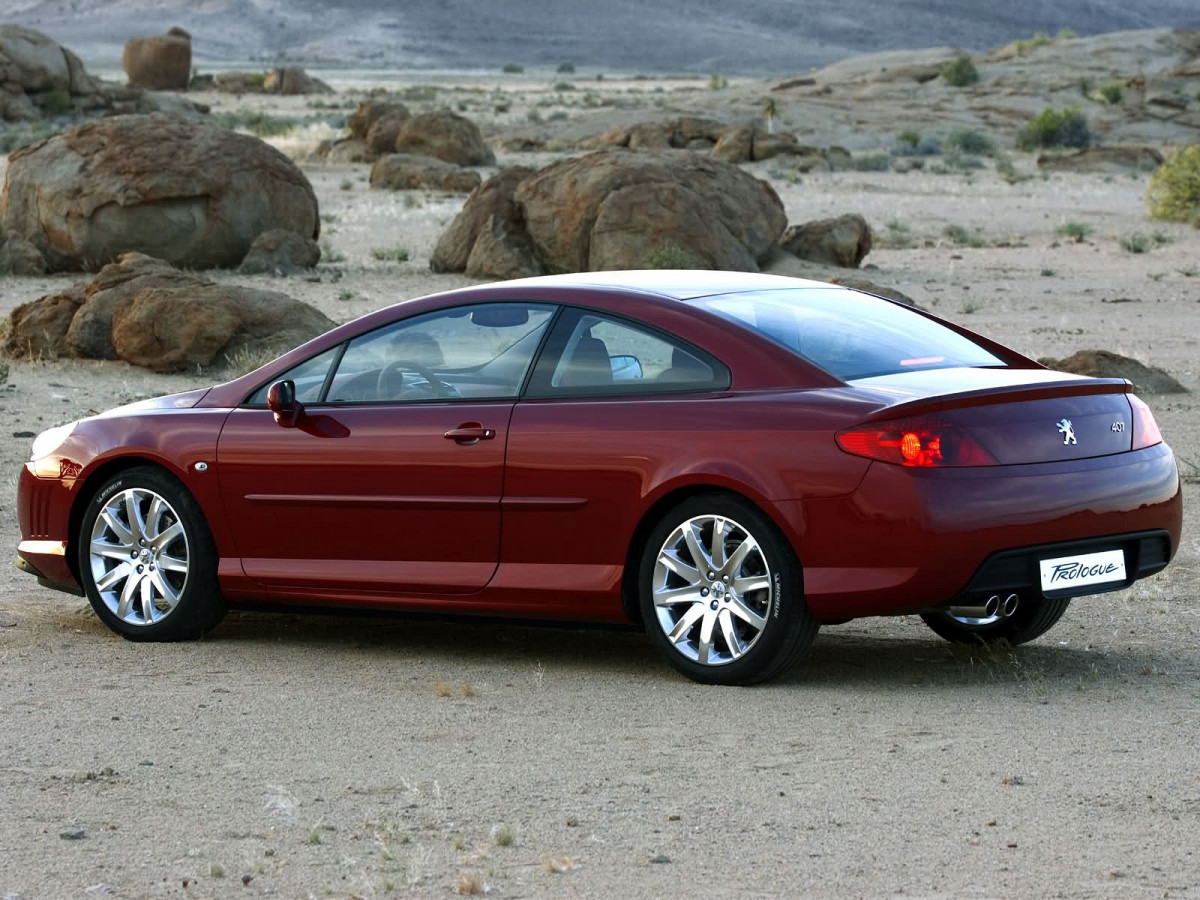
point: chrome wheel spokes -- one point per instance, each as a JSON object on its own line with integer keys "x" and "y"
{"x": 139, "y": 556}
{"x": 712, "y": 590}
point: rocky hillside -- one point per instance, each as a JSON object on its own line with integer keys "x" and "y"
{"x": 754, "y": 36}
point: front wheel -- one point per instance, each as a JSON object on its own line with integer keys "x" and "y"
{"x": 1030, "y": 621}
{"x": 147, "y": 559}
{"x": 721, "y": 593}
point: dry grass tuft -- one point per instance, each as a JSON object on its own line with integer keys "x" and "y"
{"x": 470, "y": 883}
{"x": 558, "y": 865}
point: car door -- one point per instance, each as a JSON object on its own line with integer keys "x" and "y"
{"x": 608, "y": 401}
{"x": 391, "y": 479}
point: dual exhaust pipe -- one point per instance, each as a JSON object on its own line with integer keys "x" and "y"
{"x": 993, "y": 606}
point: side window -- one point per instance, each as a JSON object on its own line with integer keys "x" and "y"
{"x": 601, "y": 355}
{"x": 308, "y": 375}
{"x": 477, "y": 352}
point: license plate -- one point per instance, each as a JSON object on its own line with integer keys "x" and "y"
{"x": 1068, "y": 572}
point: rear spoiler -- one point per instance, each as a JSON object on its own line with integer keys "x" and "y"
{"x": 1077, "y": 387}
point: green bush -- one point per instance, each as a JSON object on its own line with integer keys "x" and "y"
{"x": 1076, "y": 231}
{"x": 1174, "y": 191}
{"x": 1039, "y": 39}
{"x": 960, "y": 72}
{"x": 1112, "y": 93}
{"x": 670, "y": 256}
{"x": 970, "y": 142}
{"x": 1135, "y": 243}
{"x": 1056, "y": 128}
{"x": 871, "y": 162}
{"x": 513, "y": 68}
{"x": 57, "y": 102}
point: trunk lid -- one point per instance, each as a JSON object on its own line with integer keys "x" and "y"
{"x": 1018, "y": 415}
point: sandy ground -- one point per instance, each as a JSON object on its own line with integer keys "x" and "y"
{"x": 306, "y": 756}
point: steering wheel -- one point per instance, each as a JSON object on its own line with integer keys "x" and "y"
{"x": 385, "y": 383}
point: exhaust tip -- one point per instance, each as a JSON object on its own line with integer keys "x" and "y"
{"x": 991, "y": 607}
{"x": 1011, "y": 602}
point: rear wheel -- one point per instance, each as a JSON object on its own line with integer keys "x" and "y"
{"x": 147, "y": 559}
{"x": 1030, "y": 621}
{"x": 721, "y": 593}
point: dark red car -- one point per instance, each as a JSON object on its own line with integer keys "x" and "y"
{"x": 730, "y": 460}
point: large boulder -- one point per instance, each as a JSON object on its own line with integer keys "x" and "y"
{"x": 280, "y": 252}
{"x": 608, "y": 209}
{"x": 149, "y": 314}
{"x": 381, "y": 136}
{"x": 1106, "y": 364}
{"x": 404, "y": 171}
{"x": 37, "y": 74}
{"x": 159, "y": 63}
{"x": 369, "y": 111}
{"x": 19, "y": 257}
{"x": 611, "y": 210}
{"x": 489, "y": 208}
{"x": 446, "y": 136}
{"x": 239, "y": 82}
{"x": 841, "y": 241}
{"x": 292, "y": 80}
{"x": 38, "y": 329}
{"x": 190, "y": 193}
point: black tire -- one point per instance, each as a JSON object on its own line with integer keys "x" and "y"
{"x": 789, "y": 628}
{"x": 199, "y": 605}
{"x": 1030, "y": 621}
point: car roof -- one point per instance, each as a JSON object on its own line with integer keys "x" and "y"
{"x": 681, "y": 284}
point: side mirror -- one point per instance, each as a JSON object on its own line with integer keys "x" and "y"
{"x": 281, "y": 400}
{"x": 626, "y": 368}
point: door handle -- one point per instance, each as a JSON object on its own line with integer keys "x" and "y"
{"x": 470, "y": 433}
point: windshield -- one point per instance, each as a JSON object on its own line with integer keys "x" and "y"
{"x": 848, "y": 334}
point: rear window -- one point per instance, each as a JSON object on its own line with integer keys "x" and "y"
{"x": 848, "y": 334}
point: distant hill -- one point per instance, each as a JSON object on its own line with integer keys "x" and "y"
{"x": 738, "y": 37}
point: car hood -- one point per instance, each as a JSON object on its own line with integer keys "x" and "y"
{"x": 184, "y": 400}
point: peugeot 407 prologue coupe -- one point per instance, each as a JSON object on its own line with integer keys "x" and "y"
{"x": 729, "y": 460}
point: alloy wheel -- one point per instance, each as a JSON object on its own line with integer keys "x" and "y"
{"x": 712, "y": 590}
{"x": 139, "y": 556}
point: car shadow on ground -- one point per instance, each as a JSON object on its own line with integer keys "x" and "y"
{"x": 867, "y": 654}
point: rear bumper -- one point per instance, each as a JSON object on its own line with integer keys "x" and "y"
{"x": 909, "y": 540}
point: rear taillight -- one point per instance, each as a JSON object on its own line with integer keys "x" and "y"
{"x": 921, "y": 442}
{"x": 1145, "y": 429}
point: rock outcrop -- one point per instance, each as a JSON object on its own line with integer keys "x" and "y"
{"x": 293, "y": 80}
{"x": 37, "y": 77}
{"x": 446, "y": 136}
{"x": 612, "y": 210}
{"x": 280, "y": 252}
{"x": 404, "y": 171}
{"x": 840, "y": 241}
{"x": 147, "y": 313}
{"x": 1106, "y": 364}
{"x": 159, "y": 63}
{"x": 191, "y": 193}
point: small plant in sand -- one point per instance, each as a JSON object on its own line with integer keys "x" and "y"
{"x": 57, "y": 102}
{"x": 469, "y": 883}
{"x": 246, "y": 359}
{"x": 960, "y": 72}
{"x": 770, "y": 110}
{"x": 963, "y": 237}
{"x": 970, "y": 142}
{"x": 898, "y": 234}
{"x": 1135, "y": 243}
{"x": 503, "y": 835}
{"x": 1112, "y": 93}
{"x": 390, "y": 254}
{"x": 330, "y": 255}
{"x": 346, "y": 184}
{"x": 717, "y": 81}
{"x": 1038, "y": 39}
{"x": 1174, "y": 191}
{"x": 1075, "y": 231}
{"x": 1056, "y": 128}
{"x": 970, "y": 307}
{"x": 872, "y": 162}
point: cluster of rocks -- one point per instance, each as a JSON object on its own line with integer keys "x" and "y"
{"x": 611, "y": 210}
{"x": 284, "y": 80}
{"x": 148, "y": 313}
{"x": 188, "y": 192}
{"x": 40, "y": 79}
{"x": 430, "y": 150}
{"x": 729, "y": 143}
{"x": 632, "y": 209}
